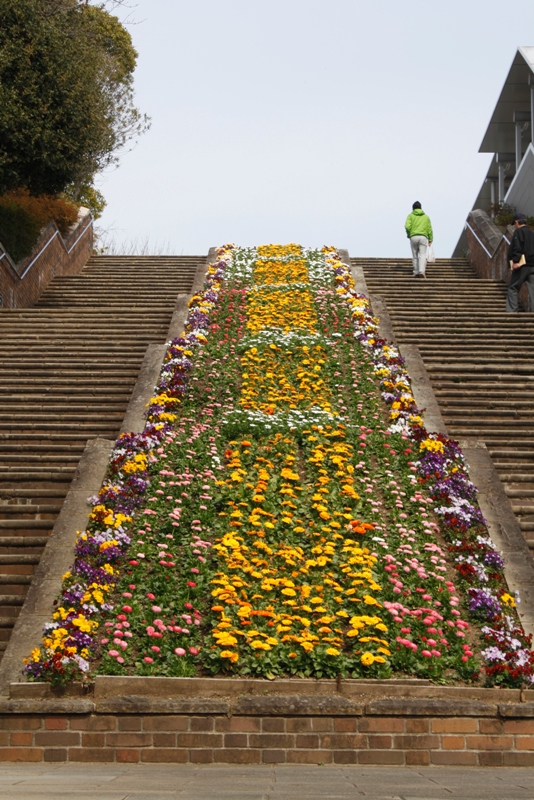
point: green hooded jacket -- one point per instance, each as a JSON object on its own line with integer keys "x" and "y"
{"x": 418, "y": 224}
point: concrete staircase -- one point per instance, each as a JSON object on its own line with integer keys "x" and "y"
{"x": 67, "y": 370}
{"x": 480, "y": 361}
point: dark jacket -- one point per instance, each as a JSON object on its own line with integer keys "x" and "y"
{"x": 522, "y": 244}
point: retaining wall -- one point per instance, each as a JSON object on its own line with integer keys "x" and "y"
{"x": 22, "y": 284}
{"x": 253, "y": 722}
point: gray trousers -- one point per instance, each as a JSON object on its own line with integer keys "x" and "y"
{"x": 419, "y": 247}
{"x": 524, "y": 274}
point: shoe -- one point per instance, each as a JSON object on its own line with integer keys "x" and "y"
{"x": 415, "y": 274}
{"x": 422, "y": 275}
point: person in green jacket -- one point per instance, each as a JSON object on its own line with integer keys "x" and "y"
{"x": 419, "y": 232}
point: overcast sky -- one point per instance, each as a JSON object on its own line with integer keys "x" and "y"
{"x": 315, "y": 121}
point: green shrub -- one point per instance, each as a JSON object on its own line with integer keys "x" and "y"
{"x": 18, "y": 231}
{"x": 503, "y": 214}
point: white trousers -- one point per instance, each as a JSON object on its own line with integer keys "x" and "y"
{"x": 419, "y": 247}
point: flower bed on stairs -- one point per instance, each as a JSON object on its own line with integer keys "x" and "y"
{"x": 285, "y": 512}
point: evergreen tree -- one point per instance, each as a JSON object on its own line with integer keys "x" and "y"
{"x": 66, "y": 97}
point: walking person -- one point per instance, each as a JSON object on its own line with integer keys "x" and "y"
{"x": 419, "y": 232}
{"x": 522, "y": 244}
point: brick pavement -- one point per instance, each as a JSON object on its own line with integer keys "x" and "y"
{"x": 282, "y": 782}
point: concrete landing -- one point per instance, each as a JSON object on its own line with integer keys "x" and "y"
{"x": 226, "y": 782}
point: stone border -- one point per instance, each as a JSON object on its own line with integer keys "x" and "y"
{"x": 56, "y": 560}
{"x": 385, "y": 326}
{"x": 147, "y": 690}
{"x": 135, "y": 417}
{"x": 503, "y": 527}
{"x": 300, "y": 704}
{"x": 422, "y": 389}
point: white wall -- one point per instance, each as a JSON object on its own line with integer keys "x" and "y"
{"x": 521, "y": 191}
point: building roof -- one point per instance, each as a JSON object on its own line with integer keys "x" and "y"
{"x": 515, "y": 96}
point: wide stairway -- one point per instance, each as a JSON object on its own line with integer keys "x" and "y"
{"x": 67, "y": 370}
{"x": 479, "y": 358}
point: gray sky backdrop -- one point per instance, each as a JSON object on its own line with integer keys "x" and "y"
{"x": 316, "y": 121}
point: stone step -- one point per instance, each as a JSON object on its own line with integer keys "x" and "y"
{"x": 475, "y": 404}
{"x": 43, "y": 432}
{"x": 83, "y": 420}
{"x": 96, "y": 391}
{"x": 25, "y": 524}
{"x": 11, "y": 600}
{"x": 28, "y": 508}
{"x": 457, "y": 357}
{"x": 55, "y": 431}
{"x": 7, "y": 494}
{"x": 53, "y": 411}
{"x": 22, "y": 542}
{"x": 16, "y": 579}
{"x": 15, "y": 454}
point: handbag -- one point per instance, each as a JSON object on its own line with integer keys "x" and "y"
{"x": 522, "y": 261}
{"x": 430, "y": 257}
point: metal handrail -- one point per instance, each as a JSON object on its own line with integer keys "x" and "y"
{"x": 39, "y": 254}
{"x": 71, "y": 248}
{"x": 481, "y": 243}
{"x": 479, "y": 240}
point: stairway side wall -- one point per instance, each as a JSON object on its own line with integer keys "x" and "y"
{"x": 21, "y": 286}
{"x": 488, "y": 251}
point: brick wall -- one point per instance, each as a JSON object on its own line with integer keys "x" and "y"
{"x": 394, "y": 739}
{"x": 21, "y": 286}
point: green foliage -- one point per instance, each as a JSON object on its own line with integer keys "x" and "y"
{"x": 89, "y": 197}
{"x": 66, "y": 99}
{"x": 503, "y": 214}
{"x": 18, "y": 231}
{"x": 22, "y": 216}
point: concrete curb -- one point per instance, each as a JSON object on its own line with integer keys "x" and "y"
{"x": 422, "y": 389}
{"x": 503, "y": 527}
{"x": 359, "y": 280}
{"x": 108, "y": 689}
{"x": 270, "y": 706}
{"x": 357, "y": 272}
{"x": 56, "y": 560}
{"x": 135, "y": 417}
{"x": 380, "y": 310}
{"x": 179, "y": 316}
{"x": 181, "y": 309}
